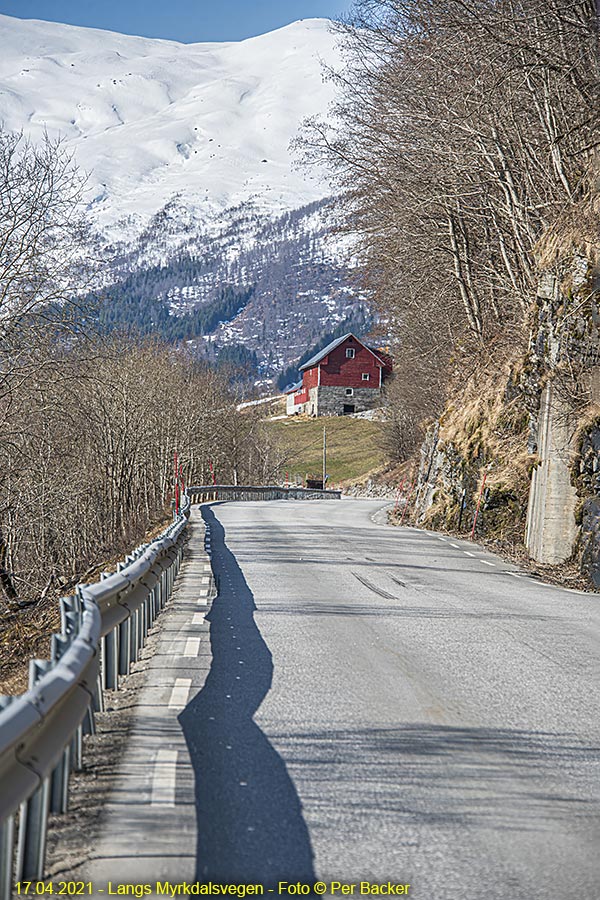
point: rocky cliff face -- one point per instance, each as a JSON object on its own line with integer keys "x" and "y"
{"x": 587, "y": 480}
{"x": 531, "y": 427}
{"x": 482, "y": 434}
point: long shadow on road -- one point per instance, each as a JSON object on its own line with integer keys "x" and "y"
{"x": 250, "y": 823}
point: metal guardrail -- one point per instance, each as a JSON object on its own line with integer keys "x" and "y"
{"x": 210, "y": 492}
{"x": 103, "y": 629}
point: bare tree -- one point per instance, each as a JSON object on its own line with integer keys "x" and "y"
{"x": 45, "y": 242}
{"x": 463, "y": 132}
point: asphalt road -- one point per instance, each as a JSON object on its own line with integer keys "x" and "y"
{"x": 364, "y": 703}
{"x": 408, "y": 708}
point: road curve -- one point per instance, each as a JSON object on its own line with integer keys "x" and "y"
{"x": 416, "y": 711}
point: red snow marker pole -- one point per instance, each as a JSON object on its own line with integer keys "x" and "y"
{"x": 400, "y": 489}
{"x": 478, "y": 505}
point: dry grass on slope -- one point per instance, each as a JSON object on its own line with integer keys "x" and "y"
{"x": 484, "y": 429}
{"x": 25, "y": 633}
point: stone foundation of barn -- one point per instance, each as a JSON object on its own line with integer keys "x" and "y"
{"x": 325, "y": 400}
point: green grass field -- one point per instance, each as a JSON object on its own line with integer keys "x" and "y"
{"x": 353, "y": 447}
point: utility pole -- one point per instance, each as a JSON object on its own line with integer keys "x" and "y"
{"x": 324, "y": 456}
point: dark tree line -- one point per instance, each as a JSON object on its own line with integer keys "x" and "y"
{"x": 135, "y": 305}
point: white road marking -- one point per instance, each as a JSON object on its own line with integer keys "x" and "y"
{"x": 201, "y": 602}
{"x": 487, "y": 562}
{"x": 456, "y": 546}
{"x": 192, "y": 647}
{"x": 164, "y": 778}
{"x": 514, "y": 574}
{"x": 443, "y": 539}
{"x": 466, "y": 552}
{"x": 180, "y": 693}
{"x": 198, "y": 619}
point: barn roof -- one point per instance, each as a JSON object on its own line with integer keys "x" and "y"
{"x": 293, "y": 388}
{"x": 319, "y": 356}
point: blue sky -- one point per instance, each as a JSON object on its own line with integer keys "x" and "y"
{"x": 180, "y": 20}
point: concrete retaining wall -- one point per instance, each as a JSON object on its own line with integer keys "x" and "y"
{"x": 551, "y": 529}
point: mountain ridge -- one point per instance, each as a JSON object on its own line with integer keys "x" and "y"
{"x": 150, "y": 119}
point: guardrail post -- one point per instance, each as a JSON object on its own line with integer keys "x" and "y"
{"x": 88, "y": 724}
{"x": 124, "y": 647}
{"x": 140, "y": 629}
{"x": 7, "y": 852}
{"x": 76, "y": 754}
{"x": 135, "y": 627}
{"x": 132, "y": 638}
{"x": 98, "y": 696}
{"x": 110, "y": 658}
{"x": 137, "y": 623}
{"x": 33, "y": 829}
{"x": 59, "y": 784}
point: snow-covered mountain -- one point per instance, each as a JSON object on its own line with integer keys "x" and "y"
{"x": 187, "y": 147}
{"x": 152, "y": 119}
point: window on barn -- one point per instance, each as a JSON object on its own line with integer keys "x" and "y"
{"x": 349, "y": 392}
{"x": 350, "y": 352}
{"x": 365, "y": 376}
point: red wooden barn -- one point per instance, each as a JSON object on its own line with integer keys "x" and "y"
{"x": 345, "y": 377}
